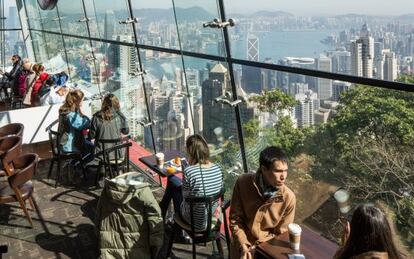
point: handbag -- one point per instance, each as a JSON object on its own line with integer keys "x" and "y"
{"x": 28, "y": 96}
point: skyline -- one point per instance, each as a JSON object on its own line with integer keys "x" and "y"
{"x": 296, "y": 7}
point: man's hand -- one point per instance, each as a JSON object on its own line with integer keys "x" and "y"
{"x": 247, "y": 252}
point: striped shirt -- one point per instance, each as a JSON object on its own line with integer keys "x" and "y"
{"x": 197, "y": 185}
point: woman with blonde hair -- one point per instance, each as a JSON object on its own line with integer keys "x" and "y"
{"x": 72, "y": 123}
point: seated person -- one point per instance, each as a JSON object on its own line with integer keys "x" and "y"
{"x": 72, "y": 122}
{"x": 261, "y": 206}
{"x": 10, "y": 79}
{"x": 368, "y": 236}
{"x": 201, "y": 178}
{"x": 108, "y": 123}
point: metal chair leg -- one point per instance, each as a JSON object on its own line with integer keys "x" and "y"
{"x": 171, "y": 239}
{"x": 220, "y": 247}
{"x": 58, "y": 173}
{"x": 194, "y": 249}
{"x": 50, "y": 168}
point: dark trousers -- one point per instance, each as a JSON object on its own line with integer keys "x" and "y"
{"x": 172, "y": 192}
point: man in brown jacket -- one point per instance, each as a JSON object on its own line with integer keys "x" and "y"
{"x": 262, "y": 206}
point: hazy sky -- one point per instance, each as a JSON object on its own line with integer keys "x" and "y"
{"x": 299, "y": 7}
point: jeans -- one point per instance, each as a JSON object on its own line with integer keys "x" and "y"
{"x": 172, "y": 192}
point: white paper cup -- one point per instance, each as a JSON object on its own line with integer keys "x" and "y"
{"x": 342, "y": 197}
{"x": 295, "y": 232}
{"x": 160, "y": 160}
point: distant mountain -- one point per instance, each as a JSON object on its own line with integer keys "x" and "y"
{"x": 183, "y": 14}
{"x": 271, "y": 14}
{"x": 407, "y": 16}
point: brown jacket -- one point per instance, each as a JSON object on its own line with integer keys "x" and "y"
{"x": 253, "y": 219}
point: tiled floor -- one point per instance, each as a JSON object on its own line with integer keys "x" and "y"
{"x": 64, "y": 227}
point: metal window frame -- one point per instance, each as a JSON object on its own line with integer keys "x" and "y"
{"x": 230, "y": 62}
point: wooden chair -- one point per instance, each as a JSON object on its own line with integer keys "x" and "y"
{"x": 10, "y": 148}
{"x": 114, "y": 156}
{"x": 58, "y": 155}
{"x": 211, "y": 233}
{"x": 19, "y": 187}
{"x": 12, "y": 129}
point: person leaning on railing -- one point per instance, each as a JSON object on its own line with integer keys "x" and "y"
{"x": 261, "y": 206}
{"x": 368, "y": 236}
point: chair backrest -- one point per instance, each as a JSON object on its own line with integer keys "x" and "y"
{"x": 208, "y": 201}
{"x": 117, "y": 156}
{"x": 25, "y": 166}
{"x": 12, "y": 129}
{"x": 54, "y": 138}
{"x": 10, "y": 148}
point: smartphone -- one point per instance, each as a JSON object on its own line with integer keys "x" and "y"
{"x": 296, "y": 256}
{"x": 184, "y": 163}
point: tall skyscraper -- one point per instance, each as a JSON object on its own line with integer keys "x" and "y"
{"x": 390, "y": 66}
{"x": 216, "y": 114}
{"x": 304, "y": 111}
{"x": 13, "y": 23}
{"x": 367, "y": 51}
{"x": 341, "y": 62}
{"x": 109, "y": 26}
{"x": 251, "y": 80}
{"x": 252, "y": 48}
{"x": 356, "y": 58}
{"x": 324, "y": 88}
{"x": 128, "y": 58}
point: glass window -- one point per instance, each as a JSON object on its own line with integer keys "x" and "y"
{"x": 156, "y": 24}
{"x": 72, "y": 17}
{"x": 104, "y": 16}
{"x": 208, "y": 84}
{"x": 39, "y": 46}
{"x": 190, "y": 16}
{"x": 294, "y": 33}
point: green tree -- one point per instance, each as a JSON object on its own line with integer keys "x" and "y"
{"x": 367, "y": 148}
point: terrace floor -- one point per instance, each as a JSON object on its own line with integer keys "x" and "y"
{"x": 64, "y": 226}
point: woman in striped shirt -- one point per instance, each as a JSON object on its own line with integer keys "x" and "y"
{"x": 201, "y": 179}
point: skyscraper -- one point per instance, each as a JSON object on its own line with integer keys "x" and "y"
{"x": 109, "y": 26}
{"x": 356, "y": 57}
{"x": 252, "y": 48}
{"x": 304, "y": 111}
{"x": 338, "y": 88}
{"x": 367, "y": 51}
{"x": 390, "y": 66}
{"x": 324, "y": 85}
{"x": 251, "y": 80}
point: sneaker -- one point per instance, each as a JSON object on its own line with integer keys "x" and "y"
{"x": 182, "y": 238}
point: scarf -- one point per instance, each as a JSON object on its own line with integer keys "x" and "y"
{"x": 268, "y": 191}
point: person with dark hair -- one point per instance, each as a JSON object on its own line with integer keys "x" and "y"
{"x": 200, "y": 179}
{"x": 10, "y": 79}
{"x": 262, "y": 206}
{"x": 368, "y": 236}
{"x": 108, "y": 123}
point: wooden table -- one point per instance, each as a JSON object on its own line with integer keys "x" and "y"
{"x": 312, "y": 245}
{"x": 151, "y": 161}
